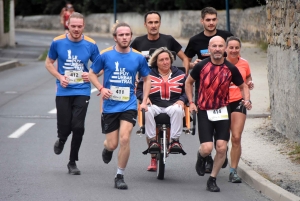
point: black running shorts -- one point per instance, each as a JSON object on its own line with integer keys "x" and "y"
{"x": 237, "y": 106}
{"x": 111, "y": 121}
{"x": 206, "y": 128}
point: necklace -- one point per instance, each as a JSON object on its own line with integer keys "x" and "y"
{"x": 165, "y": 74}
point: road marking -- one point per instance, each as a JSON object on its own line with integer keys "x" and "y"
{"x": 54, "y": 111}
{"x": 18, "y": 133}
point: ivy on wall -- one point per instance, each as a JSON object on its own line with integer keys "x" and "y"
{"x": 6, "y": 5}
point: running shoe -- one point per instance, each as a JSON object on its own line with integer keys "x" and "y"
{"x": 153, "y": 165}
{"x": 212, "y": 185}
{"x": 119, "y": 182}
{"x": 209, "y": 164}
{"x": 200, "y": 165}
{"x": 234, "y": 178}
{"x": 58, "y": 146}
{"x": 72, "y": 167}
{"x": 106, "y": 155}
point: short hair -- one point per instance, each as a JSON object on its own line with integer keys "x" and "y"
{"x": 76, "y": 15}
{"x": 231, "y": 38}
{"x": 117, "y": 25}
{"x": 156, "y": 53}
{"x": 208, "y": 10}
{"x": 151, "y": 12}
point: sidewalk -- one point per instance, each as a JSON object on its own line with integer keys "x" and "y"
{"x": 12, "y": 57}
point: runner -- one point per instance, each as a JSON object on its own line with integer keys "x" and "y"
{"x": 72, "y": 52}
{"x": 238, "y": 115}
{"x": 120, "y": 64}
{"x": 214, "y": 75}
{"x": 198, "y": 44}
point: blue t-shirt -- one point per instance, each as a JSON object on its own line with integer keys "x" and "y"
{"x": 73, "y": 56}
{"x": 120, "y": 70}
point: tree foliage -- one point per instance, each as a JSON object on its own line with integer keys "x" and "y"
{"x": 38, "y": 7}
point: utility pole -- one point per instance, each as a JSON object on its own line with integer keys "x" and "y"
{"x": 227, "y": 16}
{"x": 115, "y": 11}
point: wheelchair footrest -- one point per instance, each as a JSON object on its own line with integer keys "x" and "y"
{"x": 177, "y": 151}
{"x": 151, "y": 151}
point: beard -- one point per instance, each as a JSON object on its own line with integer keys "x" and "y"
{"x": 76, "y": 35}
{"x": 123, "y": 45}
{"x": 209, "y": 29}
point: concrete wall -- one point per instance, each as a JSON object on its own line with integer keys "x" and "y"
{"x": 283, "y": 28}
{"x": 248, "y": 24}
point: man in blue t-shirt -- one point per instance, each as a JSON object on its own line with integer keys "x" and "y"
{"x": 72, "y": 52}
{"x": 120, "y": 65}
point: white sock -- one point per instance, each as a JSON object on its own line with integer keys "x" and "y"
{"x": 120, "y": 170}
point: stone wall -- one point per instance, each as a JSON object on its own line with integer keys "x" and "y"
{"x": 248, "y": 24}
{"x": 283, "y": 27}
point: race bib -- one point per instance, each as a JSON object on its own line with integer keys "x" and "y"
{"x": 218, "y": 114}
{"x": 74, "y": 76}
{"x": 120, "y": 93}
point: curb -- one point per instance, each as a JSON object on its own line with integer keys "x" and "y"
{"x": 263, "y": 185}
{"x": 9, "y": 64}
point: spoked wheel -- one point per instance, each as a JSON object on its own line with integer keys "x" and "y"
{"x": 160, "y": 166}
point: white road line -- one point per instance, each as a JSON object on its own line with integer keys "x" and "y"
{"x": 53, "y": 111}
{"x": 18, "y": 133}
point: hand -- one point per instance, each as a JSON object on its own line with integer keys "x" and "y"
{"x": 85, "y": 76}
{"x": 144, "y": 106}
{"x": 250, "y": 85}
{"x": 64, "y": 81}
{"x": 247, "y": 104}
{"x": 106, "y": 93}
{"x": 179, "y": 103}
{"x": 195, "y": 62}
{"x": 149, "y": 102}
{"x": 193, "y": 107}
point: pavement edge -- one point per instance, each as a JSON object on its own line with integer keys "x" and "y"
{"x": 9, "y": 64}
{"x": 263, "y": 185}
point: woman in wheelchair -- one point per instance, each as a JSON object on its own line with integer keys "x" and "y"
{"x": 167, "y": 95}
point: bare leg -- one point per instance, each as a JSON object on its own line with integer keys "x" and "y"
{"x": 237, "y": 125}
{"x": 124, "y": 152}
{"x": 221, "y": 147}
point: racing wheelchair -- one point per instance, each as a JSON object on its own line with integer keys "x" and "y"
{"x": 163, "y": 126}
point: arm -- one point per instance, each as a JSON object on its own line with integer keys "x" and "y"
{"x": 185, "y": 61}
{"x": 146, "y": 91}
{"x": 189, "y": 92}
{"x": 246, "y": 96}
{"x": 249, "y": 82}
{"x": 52, "y": 69}
{"x": 106, "y": 93}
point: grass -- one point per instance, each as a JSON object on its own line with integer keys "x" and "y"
{"x": 295, "y": 153}
{"x": 263, "y": 45}
{"x": 43, "y": 56}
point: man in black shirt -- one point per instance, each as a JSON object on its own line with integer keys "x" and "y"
{"x": 198, "y": 45}
{"x": 154, "y": 39}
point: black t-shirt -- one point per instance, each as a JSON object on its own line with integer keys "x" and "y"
{"x": 198, "y": 44}
{"x": 143, "y": 44}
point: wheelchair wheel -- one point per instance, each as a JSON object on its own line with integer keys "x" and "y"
{"x": 160, "y": 166}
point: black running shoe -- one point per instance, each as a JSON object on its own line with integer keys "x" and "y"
{"x": 119, "y": 182}
{"x": 73, "y": 168}
{"x": 212, "y": 185}
{"x": 209, "y": 164}
{"x": 226, "y": 160}
{"x": 58, "y": 146}
{"x": 106, "y": 155}
{"x": 200, "y": 165}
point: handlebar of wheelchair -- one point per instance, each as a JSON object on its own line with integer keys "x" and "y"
{"x": 194, "y": 122}
{"x": 143, "y": 121}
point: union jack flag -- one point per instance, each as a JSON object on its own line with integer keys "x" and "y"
{"x": 165, "y": 88}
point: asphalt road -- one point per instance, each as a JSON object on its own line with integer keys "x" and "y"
{"x": 30, "y": 171}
